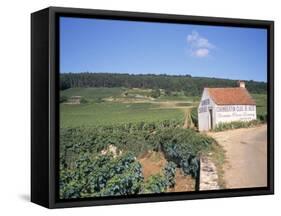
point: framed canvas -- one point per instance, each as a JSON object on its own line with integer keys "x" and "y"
{"x": 138, "y": 107}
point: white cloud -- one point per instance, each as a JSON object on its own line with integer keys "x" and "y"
{"x": 201, "y": 52}
{"x": 199, "y": 46}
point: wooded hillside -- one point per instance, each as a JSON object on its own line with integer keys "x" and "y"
{"x": 192, "y": 86}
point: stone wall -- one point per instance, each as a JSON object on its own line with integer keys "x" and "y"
{"x": 208, "y": 175}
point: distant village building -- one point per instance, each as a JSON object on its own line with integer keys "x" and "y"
{"x": 220, "y": 105}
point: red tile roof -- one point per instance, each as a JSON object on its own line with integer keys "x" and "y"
{"x": 231, "y": 96}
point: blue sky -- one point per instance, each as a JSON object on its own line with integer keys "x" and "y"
{"x": 95, "y": 45}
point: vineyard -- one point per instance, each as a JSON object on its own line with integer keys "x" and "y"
{"x": 86, "y": 172}
{"x": 103, "y": 140}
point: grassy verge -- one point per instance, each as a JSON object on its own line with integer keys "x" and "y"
{"x": 236, "y": 125}
{"x": 217, "y": 155}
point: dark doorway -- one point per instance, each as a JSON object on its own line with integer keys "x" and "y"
{"x": 210, "y": 118}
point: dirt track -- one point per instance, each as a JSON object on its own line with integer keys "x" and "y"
{"x": 246, "y": 155}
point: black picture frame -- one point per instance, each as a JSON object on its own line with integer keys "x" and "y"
{"x": 45, "y": 105}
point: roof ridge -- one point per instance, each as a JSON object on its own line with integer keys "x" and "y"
{"x": 225, "y": 87}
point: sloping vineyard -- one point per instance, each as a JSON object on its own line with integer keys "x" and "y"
{"x": 87, "y": 172}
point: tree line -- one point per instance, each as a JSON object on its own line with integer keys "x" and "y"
{"x": 192, "y": 86}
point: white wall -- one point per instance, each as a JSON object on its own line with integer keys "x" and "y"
{"x": 229, "y": 113}
{"x": 221, "y": 113}
{"x": 15, "y": 107}
{"x": 206, "y": 103}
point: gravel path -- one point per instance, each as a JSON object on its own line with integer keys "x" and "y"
{"x": 246, "y": 155}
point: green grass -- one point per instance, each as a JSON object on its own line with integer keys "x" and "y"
{"x": 235, "y": 125}
{"x": 180, "y": 97}
{"x": 184, "y": 104}
{"x": 100, "y": 113}
{"x": 261, "y": 102}
{"x": 218, "y": 157}
{"x": 105, "y": 113}
{"x": 93, "y": 93}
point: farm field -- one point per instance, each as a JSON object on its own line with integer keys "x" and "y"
{"x": 110, "y": 113}
{"x": 113, "y": 106}
{"x": 261, "y": 103}
{"x": 132, "y": 137}
{"x": 121, "y": 105}
{"x": 128, "y": 123}
{"x": 93, "y": 93}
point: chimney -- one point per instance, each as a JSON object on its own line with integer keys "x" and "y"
{"x": 241, "y": 84}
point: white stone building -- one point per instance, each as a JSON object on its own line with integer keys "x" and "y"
{"x": 220, "y": 105}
